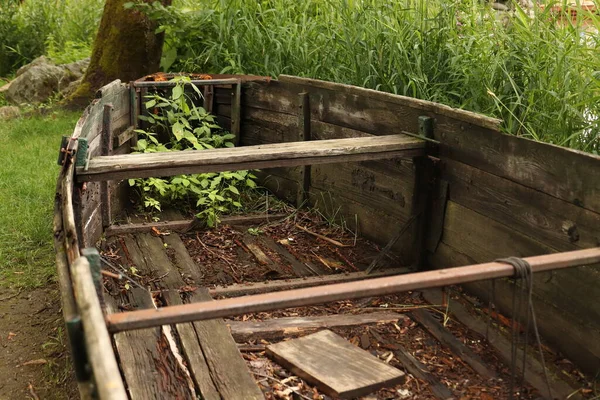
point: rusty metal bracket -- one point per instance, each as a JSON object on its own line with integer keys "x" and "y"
{"x": 68, "y": 149}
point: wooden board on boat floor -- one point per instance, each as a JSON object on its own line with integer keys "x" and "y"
{"x": 336, "y": 366}
{"x": 227, "y": 368}
{"x": 294, "y": 326}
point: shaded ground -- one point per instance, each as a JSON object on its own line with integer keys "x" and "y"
{"x": 33, "y": 350}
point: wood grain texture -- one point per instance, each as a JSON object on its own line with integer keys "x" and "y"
{"x": 534, "y": 370}
{"x": 250, "y": 157}
{"x": 334, "y": 365}
{"x": 435, "y": 328}
{"x": 482, "y": 239}
{"x": 560, "y": 172}
{"x": 149, "y": 367}
{"x": 554, "y": 222}
{"x": 278, "y": 328}
{"x": 228, "y": 368}
{"x": 97, "y": 340}
{"x": 185, "y": 225}
{"x": 403, "y": 101}
{"x": 464, "y": 136}
{"x": 416, "y": 368}
{"x": 273, "y": 286}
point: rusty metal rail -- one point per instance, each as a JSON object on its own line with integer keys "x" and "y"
{"x": 342, "y": 291}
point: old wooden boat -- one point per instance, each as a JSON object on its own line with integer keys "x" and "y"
{"x": 438, "y": 194}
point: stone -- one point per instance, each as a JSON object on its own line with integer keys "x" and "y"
{"x": 9, "y": 112}
{"x": 39, "y": 80}
{"x": 4, "y": 87}
{"x": 71, "y": 87}
{"x": 499, "y": 7}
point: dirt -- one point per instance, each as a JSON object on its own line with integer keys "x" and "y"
{"x": 34, "y": 360}
{"x": 224, "y": 256}
{"x": 225, "y": 259}
{"x": 385, "y": 338}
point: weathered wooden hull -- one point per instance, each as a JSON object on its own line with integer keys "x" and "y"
{"x": 482, "y": 195}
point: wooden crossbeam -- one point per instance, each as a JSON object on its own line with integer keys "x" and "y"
{"x": 289, "y": 154}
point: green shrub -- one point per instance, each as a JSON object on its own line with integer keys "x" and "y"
{"x": 541, "y": 77}
{"x": 188, "y": 127}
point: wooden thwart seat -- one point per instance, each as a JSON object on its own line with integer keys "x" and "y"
{"x": 289, "y": 154}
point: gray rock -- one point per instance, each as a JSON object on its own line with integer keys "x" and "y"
{"x": 41, "y": 60}
{"x": 499, "y": 7}
{"x": 9, "y": 112}
{"x": 36, "y": 82}
{"x": 71, "y": 87}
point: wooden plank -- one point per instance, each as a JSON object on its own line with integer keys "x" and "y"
{"x": 333, "y": 364}
{"x": 554, "y": 222}
{"x": 265, "y": 126}
{"x": 534, "y": 369}
{"x": 186, "y": 225}
{"x": 304, "y": 134}
{"x": 278, "y": 328}
{"x": 458, "y": 348}
{"x": 147, "y": 252}
{"x": 373, "y": 223}
{"x": 146, "y": 353}
{"x": 250, "y": 157}
{"x": 273, "y": 286}
{"x": 467, "y": 137}
{"x": 236, "y": 111}
{"x": 563, "y": 173}
{"x": 106, "y": 150}
{"x": 406, "y": 101}
{"x": 227, "y": 367}
{"x": 143, "y": 357}
{"x": 483, "y": 239}
{"x": 125, "y": 136}
{"x": 383, "y": 185}
{"x": 415, "y": 368}
{"x": 193, "y": 354}
{"x": 105, "y": 370}
{"x": 300, "y": 268}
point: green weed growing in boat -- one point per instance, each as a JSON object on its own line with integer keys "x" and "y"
{"x": 181, "y": 125}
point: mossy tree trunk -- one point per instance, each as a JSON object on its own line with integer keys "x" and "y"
{"x": 126, "y": 48}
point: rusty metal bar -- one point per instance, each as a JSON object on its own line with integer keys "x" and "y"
{"x": 342, "y": 291}
{"x": 202, "y": 82}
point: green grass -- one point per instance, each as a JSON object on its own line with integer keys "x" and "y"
{"x": 28, "y": 153}
{"x": 541, "y": 77}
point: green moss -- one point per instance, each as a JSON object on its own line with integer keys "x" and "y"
{"x": 125, "y": 48}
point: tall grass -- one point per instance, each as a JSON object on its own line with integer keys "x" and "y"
{"x": 62, "y": 29}
{"x": 541, "y": 77}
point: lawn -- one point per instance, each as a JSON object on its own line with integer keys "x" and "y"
{"x": 28, "y": 171}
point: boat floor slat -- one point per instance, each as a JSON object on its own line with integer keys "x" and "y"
{"x": 147, "y": 368}
{"x": 227, "y": 367}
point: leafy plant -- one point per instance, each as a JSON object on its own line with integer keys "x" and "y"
{"x": 28, "y": 28}
{"x": 188, "y": 127}
{"x": 255, "y": 231}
